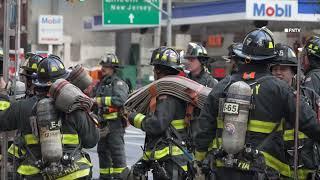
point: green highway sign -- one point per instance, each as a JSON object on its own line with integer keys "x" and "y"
{"x": 130, "y": 12}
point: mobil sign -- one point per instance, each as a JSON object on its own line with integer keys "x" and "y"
{"x": 50, "y": 29}
{"x": 272, "y": 9}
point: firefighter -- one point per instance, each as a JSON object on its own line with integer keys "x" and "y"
{"x": 197, "y": 58}
{"x": 284, "y": 67}
{"x": 4, "y": 98}
{"x": 77, "y": 129}
{"x": 165, "y": 127}
{"x": 110, "y": 94}
{"x": 243, "y": 114}
{"x": 311, "y": 63}
{"x": 27, "y": 69}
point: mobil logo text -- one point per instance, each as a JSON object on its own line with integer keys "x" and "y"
{"x": 272, "y": 10}
{"x": 51, "y": 20}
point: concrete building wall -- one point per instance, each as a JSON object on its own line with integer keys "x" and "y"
{"x": 85, "y": 46}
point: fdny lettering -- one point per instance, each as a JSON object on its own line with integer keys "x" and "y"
{"x": 244, "y": 165}
{"x": 255, "y": 90}
{"x": 67, "y": 170}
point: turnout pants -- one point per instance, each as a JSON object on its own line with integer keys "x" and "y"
{"x": 112, "y": 158}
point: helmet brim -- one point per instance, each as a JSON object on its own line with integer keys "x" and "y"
{"x": 238, "y": 52}
{"x": 38, "y": 83}
{"x": 283, "y": 64}
{"x": 110, "y": 65}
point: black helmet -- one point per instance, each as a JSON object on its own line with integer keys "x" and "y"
{"x": 312, "y": 47}
{"x": 110, "y": 60}
{"x": 49, "y": 70}
{"x": 31, "y": 64}
{"x": 257, "y": 45}
{"x": 165, "y": 56}
{"x": 285, "y": 57}
{"x": 195, "y": 50}
{"x": 231, "y": 54}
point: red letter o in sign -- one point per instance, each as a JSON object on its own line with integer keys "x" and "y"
{"x": 270, "y": 11}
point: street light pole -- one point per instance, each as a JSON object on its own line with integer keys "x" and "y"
{"x": 169, "y": 18}
{"x": 169, "y": 24}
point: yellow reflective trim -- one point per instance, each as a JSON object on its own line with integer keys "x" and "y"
{"x": 85, "y": 161}
{"x": 4, "y": 105}
{"x": 54, "y": 69}
{"x": 200, "y": 155}
{"x": 106, "y": 170}
{"x": 303, "y": 173}
{"x": 219, "y": 163}
{"x": 274, "y": 163}
{"x": 215, "y": 143}
{"x": 31, "y": 139}
{"x": 173, "y": 60}
{"x": 255, "y": 126}
{"x": 220, "y": 123}
{"x": 70, "y": 139}
{"x": 110, "y": 116}
{"x": 316, "y": 47}
{"x": 76, "y": 175}
{"x": 157, "y": 56}
{"x": 107, "y": 100}
{"x": 162, "y": 153}
{"x": 138, "y": 120}
{"x": 176, "y": 151}
{"x": 98, "y": 100}
{"x": 118, "y": 170}
{"x": 14, "y": 150}
{"x": 28, "y": 170}
{"x": 262, "y": 126}
{"x": 42, "y": 70}
{"x": 34, "y": 66}
{"x": 185, "y": 168}
{"x": 310, "y": 46}
{"x": 270, "y": 45}
{"x": 66, "y": 139}
{"x": 164, "y": 57}
{"x": 289, "y": 135}
{"x": 178, "y": 124}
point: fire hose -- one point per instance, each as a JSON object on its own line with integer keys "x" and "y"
{"x": 143, "y": 99}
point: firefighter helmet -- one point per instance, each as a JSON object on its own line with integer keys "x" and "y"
{"x": 195, "y": 50}
{"x": 312, "y": 47}
{"x": 31, "y": 64}
{"x": 231, "y": 54}
{"x": 285, "y": 56}
{"x": 49, "y": 70}
{"x": 110, "y": 60}
{"x": 258, "y": 45}
{"x": 165, "y": 56}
